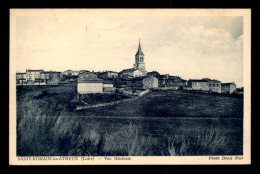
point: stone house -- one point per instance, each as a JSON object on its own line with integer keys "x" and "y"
{"x": 108, "y": 84}
{"x": 197, "y": 84}
{"x": 50, "y": 77}
{"x": 121, "y": 82}
{"x": 205, "y": 85}
{"x": 71, "y": 73}
{"x": 21, "y": 78}
{"x": 154, "y": 73}
{"x": 89, "y": 84}
{"x": 171, "y": 81}
{"x": 228, "y": 87}
{"x": 86, "y": 74}
{"x": 33, "y": 75}
{"x": 214, "y": 86}
{"x": 45, "y": 76}
{"x": 131, "y": 73}
{"x": 146, "y": 82}
{"x": 55, "y": 77}
{"x": 108, "y": 74}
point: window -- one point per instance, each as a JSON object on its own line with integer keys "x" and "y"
{"x": 209, "y": 85}
{"x": 213, "y": 85}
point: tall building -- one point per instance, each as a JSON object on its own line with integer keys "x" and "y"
{"x": 139, "y": 60}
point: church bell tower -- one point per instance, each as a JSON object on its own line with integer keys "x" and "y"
{"x": 139, "y": 60}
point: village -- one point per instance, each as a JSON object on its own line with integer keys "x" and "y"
{"x": 141, "y": 83}
{"x": 135, "y": 81}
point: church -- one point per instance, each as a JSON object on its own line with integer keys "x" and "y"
{"x": 139, "y": 66}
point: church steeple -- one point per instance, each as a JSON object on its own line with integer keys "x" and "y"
{"x": 139, "y": 51}
{"x": 139, "y": 59}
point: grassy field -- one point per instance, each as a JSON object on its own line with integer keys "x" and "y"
{"x": 160, "y": 123}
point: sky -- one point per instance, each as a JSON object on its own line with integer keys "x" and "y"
{"x": 192, "y": 47}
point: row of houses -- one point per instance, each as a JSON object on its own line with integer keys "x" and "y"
{"x": 97, "y": 81}
{"x": 38, "y": 77}
{"x": 89, "y": 82}
{"x": 210, "y": 85}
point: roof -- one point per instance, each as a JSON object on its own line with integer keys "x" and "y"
{"x": 153, "y": 72}
{"x": 125, "y": 78}
{"x": 164, "y": 75}
{"x": 215, "y": 81}
{"x": 226, "y": 84}
{"x": 82, "y": 71}
{"x": 107, "y": 72}
{"x": 90, "y": 80}
{"x": 74, "y": 71}
{"x": 71, "y": 71}
{"x": 48, "y": 72}
{"x": 173, "y": 77}
{"x": 204, "y": 80}
{"x": 139, "y": 51}
{"x": 35, "y": 70}
{"x": 108, "y": 82}
{"x": 143, "y": 77}
{"x": 20, "y": 73}
{"x": 128, "y": 70}
{"x": 86, "y": 72}
{"x": 197, "y": 80}
{"x": 210, "y": 80}
{"x": 182, "y": 80}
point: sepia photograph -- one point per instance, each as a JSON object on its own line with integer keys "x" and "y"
{"x": 130, "y": 86}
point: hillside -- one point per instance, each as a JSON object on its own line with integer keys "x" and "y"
{"x": 159, "y": 123}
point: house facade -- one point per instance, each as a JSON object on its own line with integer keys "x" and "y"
{"x": 38, "y": 77}
{"x": 87, "y": 74}
{"x": 146, "y": 82}
{"x": 198, "y": 84}
{"x": 130, "y": 73}
{"x": 154, "y": 73}
{"x": 108, "y": 74}
{"x": 51, "y": 77}
{"x": 55, "y": 77}
{"x": 205, "y": 85}
{"x": 33, "y": 75}
{"x": 171, "y": 81}
{"x": 21, "y": 78}
{"x": 71, "y": 73}
{"x": 89, "y": 84}
{"x": 228, "y": 87}
{"x": 108, "y": 84}
{"x": 214, "y": 86}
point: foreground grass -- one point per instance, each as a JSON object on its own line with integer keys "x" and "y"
{"x": 61, "y": 136}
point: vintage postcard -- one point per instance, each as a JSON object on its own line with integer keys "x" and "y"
{"x": 130, "y": 86}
